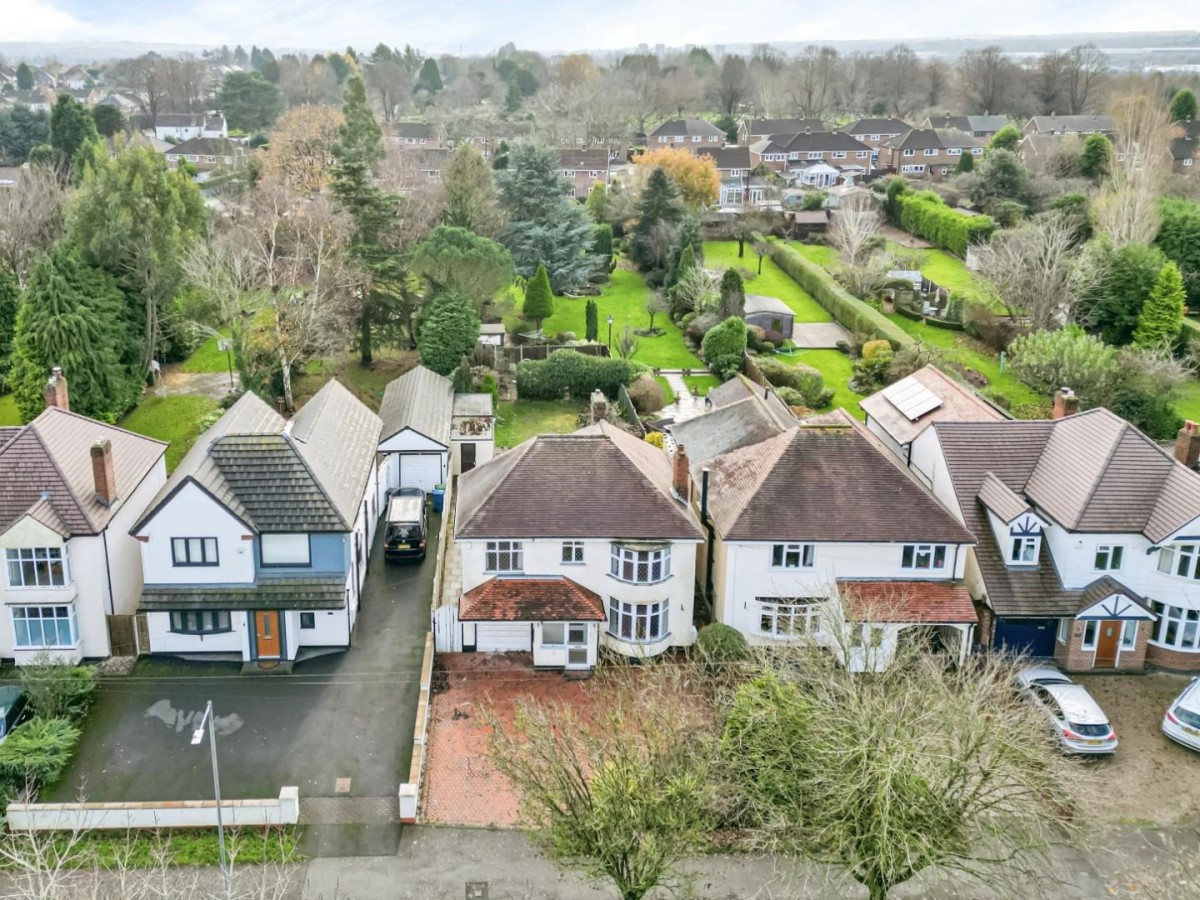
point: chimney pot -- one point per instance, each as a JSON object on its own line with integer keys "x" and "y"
{"x": 1187, "y": 444}
{"x": 1065, "y": 403}
{"x": 681, "y": 476}
{"x": 102, "y": 472}
{"x": 55, "y": 392}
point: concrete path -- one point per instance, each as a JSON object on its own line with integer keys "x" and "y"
{"x": 687, "y": 405}
{"x": 818, "y": 335}
{"x": 206, "y": 384}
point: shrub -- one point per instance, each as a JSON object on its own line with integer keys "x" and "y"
{"x": 720, "y": 646}
{"x": 873, "y": 372}
{"x": 488, "y": 385}
{"x": 808, "y": 382}
{"x": 724, "y": 346}
{"x": 38, "y": 751}
{"x": 790, "y": 396}
{"x": 570, "y": 370}
{"x": 655, "y": 439}
{"x": 1068, "y": 357}
{"x": 995, "y": 331}
{"x": 58, "y": 690}
{"x": 872, "y": 348}
{"x": 646, "y": 394}
{"x": 449, "y": 330}
{"x": 924, "y": 214}
{"x": 847, "y": 309}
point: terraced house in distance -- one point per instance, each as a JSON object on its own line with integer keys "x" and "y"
{"x": 256, "y": 548}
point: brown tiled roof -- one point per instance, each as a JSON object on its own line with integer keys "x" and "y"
{"x": 878, "y": 126}
{"x": 598, "y": 482}
{"x": 940, "y": 602}
{"x": 583, "y": 159}
{"x": 728, "y": 157}
{"x": 1103, "y": 588}
{"x": 530, "y": 600}
{"x": 959, "y": 404}
{"x": 823, "y": 483}
{"x": 1001, "y": 499}
{"x": 933, "y": 139}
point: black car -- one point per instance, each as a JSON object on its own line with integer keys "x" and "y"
{"x": 405, "y": 525}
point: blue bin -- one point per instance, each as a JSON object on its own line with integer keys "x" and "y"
{"x": 439, "y": 496}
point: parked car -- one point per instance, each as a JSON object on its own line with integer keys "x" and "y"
{"x": 404, "y": 537}
{"x": 14, "y": 705}
{"x": 1182, "y": 720}
{"x": 1077, "y": 719}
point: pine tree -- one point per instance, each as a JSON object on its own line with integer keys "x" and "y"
{"x": 430, "y": 78}
{"x": 966, "y": 163}
{"x": 1096, "y": 158}
{"x": 604, "y": 247}
{"x": 24, "y": 78}
{"x": 1183, "y": 106}
{"x": 449, "y": 330}
{"x": 539, "y": 299}
{"x": 597, "y": 203}
{"x": 10, "y": 301}
{"x": 471, "y": 199}
{"x": 733, "y": 294}
{"x": 71, "y": 316}
{"x": 71, "y": 126}
{"x": 1161, "y": 318}
{"x": 591, "y": 319}
{"x": 660, "y": 203}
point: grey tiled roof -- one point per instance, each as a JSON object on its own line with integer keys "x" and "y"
{"x": 202, "y": 146}
{"x": 739, "y": 424}
{"x": 878, "y": 126}
{"x": 420, "y": 399}
{"x": 268, "y": 593}
{"x": 729, "y": 157}
{"x": 934, "y": 139}
{"x": 1074, "y": 124}
{"x": 583, "y": 159}
{"x": 277, "y": 490}
{"x": 688, "y": 127}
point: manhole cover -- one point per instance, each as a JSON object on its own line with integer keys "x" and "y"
{"x": 341, "y": 786}
{"x": 477, "y": 890}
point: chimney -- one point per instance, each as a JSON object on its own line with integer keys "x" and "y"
{"x": 599, "y": 406}
{"x": 1187, "y": 444}
{"x": 55, "y": 391}
{"x": 102, "y": 472}
{"x": 681, "y": 477}
{"x": 1065, "y": 403}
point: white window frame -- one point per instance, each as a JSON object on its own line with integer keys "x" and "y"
{"x": 735, "y": 173}
{"x": 1179, "y": 620}
{"x": 916, "y": 551}
{"x": 548, "y": 629}
{"x": 793, "y": 556}
{"x": 861, "y": 154}
{"x": 815, "y": 154}
{"x": 1188, "y": 161}
{"x": 912, "y": 169}
{"x": 931, "y": 151}
{"x": 38, "y": 558}
{"x": 284, "y": 552}
{"x": 1180, "y": 560}
{"x": 1064, "y": 630}
{"x": 631, "y": 622}
{"x": 625, "y": 563}
{"x": 697, "y": 138}
{"x": 206, "y": 621}
{"x": 1024, "y": 549}
{"x": 31, "y": 613}
{"x": 1091, "y": 631}
{"x": 789, "y": 617}
{"x": 838, "y": 154}
{"x": 679, "y": 139}
{"x": 1129, "y": 629}
{"x": 1111, "y": 555}
{"x": 569, "y": 173}
{"x": 572, "y": 553}
{"x": 908, "y": 151}
{"x": 977, "y": 151}
{"x": 954, "y": 151}
{"x": 504, "y": 556}
{"x": 874, "y": 137}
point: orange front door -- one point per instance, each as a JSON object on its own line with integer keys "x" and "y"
{"x": 1107, "y": 642}
{"x": 266, "y": 632}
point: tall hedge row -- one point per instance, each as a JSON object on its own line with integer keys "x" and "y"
{"x": 569, "y": 370}
{"x": 847, "y": 309}
{"x": 924, "y": 214}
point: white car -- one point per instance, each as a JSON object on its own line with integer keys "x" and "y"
{"x": 1182, "y": 720}
{"x": 1078, "y": 720}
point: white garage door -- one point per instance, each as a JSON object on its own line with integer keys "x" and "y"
{"x": 422, "y": 470}
{"x": 503, "y": 636}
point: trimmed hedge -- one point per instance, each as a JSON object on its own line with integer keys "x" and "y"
{"x": 563, "y": 370}
{"x": 924, "y": 214}
{"x": 847, "y": 309}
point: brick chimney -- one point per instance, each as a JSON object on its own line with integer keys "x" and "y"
{"x": 1187, "y": 444}
{"x": 102, "y": 472}
{"x": 599, "y": 406}
{"x": 681, "y": 476}
{"x": 55, "y": 391}
{"x": 1065, "y": 403}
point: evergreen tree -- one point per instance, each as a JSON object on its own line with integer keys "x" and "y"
{"x": 733, "y": 294}
{"x": 71, "y": 127}
{"x": 10, "y": 297}
{"x": 249, "y": 101}
{"x": 24, "y": 78}
{"x": 545, "y": 226}
{"x": 1096, "y": 158}
{"x": 539, "y": 299}
{"x": 660, "y": 204}
{"x": 591, "y": 320}
{"x": 429, "y": 77}
{"x": 454, "y": 259}
{"x": 1161, "y": 318}
{"x": 22, "y": 129}
{"x": 604, "y": 247}
{"x": 471, "y": 199}
{"x": 1121, "y": 284}
{"x": 109, "y": 120}
{"x": 597, "y": 203}
{"x": 449, "y": 330}
{"x": 269, "y": 66}
{"x": 464, "y": 380}
{"x": 966, "y": 163}
{"x": 1006, "y": 138}
{"x": 1183, "y": 106}
{"x": 500, "y": 160}
{"x": 71, "y": 316}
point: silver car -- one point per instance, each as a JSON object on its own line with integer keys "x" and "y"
{"x": 1182, "y": 720}
{"x": 1078, "y": 720}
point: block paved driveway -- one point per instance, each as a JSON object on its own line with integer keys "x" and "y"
{"x": 347, "y": 715}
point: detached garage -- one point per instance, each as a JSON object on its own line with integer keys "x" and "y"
{"x": 416, "y": 410}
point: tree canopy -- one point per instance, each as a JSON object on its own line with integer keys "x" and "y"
{"x": 250, "y": 101}
{"x": 449, "y": 330}
{"x": 1161, "y": 317}
{"x": 539, "y": 299}
{"x": 697, "y": 177}
{"x": 1183, "y": 105}
{"x": 457, "y": 260}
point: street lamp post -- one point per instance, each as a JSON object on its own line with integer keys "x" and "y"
{"x": 610, "y": 321}
{"x": 197, "y": 737}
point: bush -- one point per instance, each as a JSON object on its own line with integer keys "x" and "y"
{"x": 38, "y": 751}
{"x": 806, "y": 381}
{"x": 724, "y": 346}
{"x": 995, "y": 331}
{"x": 790, "y": 396}
{"x": 448, "y": 332}
{"x": 721, "y": 646}
{"x": 58, "y": 690}
{"x": 646, "y": 394}
{"x": 924, "y": 214}
{"x": 570, "y": 370}
{"x": 872, "y": 348}
{"x": 654, "y": 439}
{"x": 488, "y": 385}
{"x": 871, "y": 373}
{"x": 847, "y": 309}
{"x": 1068, "y": 357}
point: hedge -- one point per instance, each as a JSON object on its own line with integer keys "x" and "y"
{"x": 847, "y": 309}
{"x": 569, "y": 370}
{"x": 924, "y": 214}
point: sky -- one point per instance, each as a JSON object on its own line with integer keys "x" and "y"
{"x": 472, "y": 26}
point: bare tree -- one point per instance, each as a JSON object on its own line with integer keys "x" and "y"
{"x": 988, "y": 79}
{"x": 31, "y": 218}
{"x": 896, "y": 77}
{"x": 813, "y": 80}
{"x": 301, "y": 148}
{"x": 855, "y": 227}
{"x": 1127, "y": 208}
{"x": 145, "y": 78}
{"x": 733, "y": 84}
{"x": 1048, "y": 82}
{"x": 656, "y": 305}
{"x": 1084, "y": 69}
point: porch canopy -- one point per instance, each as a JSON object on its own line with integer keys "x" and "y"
{"x": 1107, "y": 598}
{"x": 277, "y": 593}
{"x": 911, "y": 602}
{"x": 550, "y": 599}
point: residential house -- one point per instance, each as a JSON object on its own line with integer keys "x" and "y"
{"x": 984, "y": 127}
{"x": 75, "y": 78}
{"x": 900, "y": 413}
{"x": 815, "y": 158}
{"x": 1087, "y": 534}
{"x": 37, "y": 99}
{"x": 1085, "y": 124}
{"x": 1046, "y": 153}
{"x": 124, "y": 102}
{"x": 752, "y": 130}
{"x": 738, "y": 186}
{"x": 430, "y": 433}
{"x": 581, "y": 169}
{"x": 814, "y": 533}
{"x": 70, "y": 488}
{"x": 1185, "y": 147}
{"x": 570, "y": 542}
{"x": 183, "y": 126}
{"x": 257, "y": 545}
{"x": 421, "y": 165}
{"x": 929, "y": 152}
{"x": 689, "y": 134}
{"x": 205, "y": 154}
{"x": 420, "y": 134}
{"x": 875, "y": 133}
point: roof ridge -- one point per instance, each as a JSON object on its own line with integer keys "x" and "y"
{"x": 291, "y": 442}
{"x": 55, "y": 410}
{"x": 746, "y": 497}
{"x": 520, "y": 452}
{"x": 1099, "y": 479}
{"x": 62, "y": 477}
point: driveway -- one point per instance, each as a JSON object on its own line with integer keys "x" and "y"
{"x": 344, "y": 716}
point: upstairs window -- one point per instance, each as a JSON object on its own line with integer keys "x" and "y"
{"x": 640, "y": 566}
{"x": 504, "y": 556}
{"x": 793, "y": 556}
{"x": 285, "y": 550}
{"x": 910, "y": 152}
{"x": 572, "y": 552}
{"x": 1109, "y": 557}
{"x": 195, "y": 551}
{"x": 923, "y": 556}
{"x": 1179, "y": 560}
{"x": 1024, "y": 551}
{"x": 931, "y": 151}
{"x": 36, "y": 567}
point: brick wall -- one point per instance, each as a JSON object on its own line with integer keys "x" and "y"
{"x": 1173, "y": 659}
{"x": 1073, "y": 658}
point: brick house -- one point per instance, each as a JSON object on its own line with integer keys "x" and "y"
{"x": 581, "y": 169}
{"x": 420, "y": 134}
{"x": 1053, "y": 124}
{"x": 929, "y": 152}
{"x": 738, "y": 188}
{"x": 1185, "y": 147}
{"x": 692, "y": 134}
{"x": 795, "y": 153}
{"x": 876, "y": 132}
{"x": 206, "y": 154}
{"x": 752, "y": 130}
{"x": 984, "y": 127}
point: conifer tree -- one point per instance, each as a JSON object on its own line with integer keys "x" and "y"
{"x": 539, "y": 299}
{"x": 1161, "y": 318}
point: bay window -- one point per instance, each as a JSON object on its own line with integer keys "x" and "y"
{"x": 504, "y": 556}
{"x": 1177, "y": 628}
{"x": 923, "y": 556}
{"x": 788, "y": 617}
{"x": 40, "y": 627}
{"x": 640, "y": 565}
{"x": 36, "y": 567}
{"x": 646, "y": 622}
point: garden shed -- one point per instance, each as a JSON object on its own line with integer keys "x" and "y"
{"x": 769, "y": 314}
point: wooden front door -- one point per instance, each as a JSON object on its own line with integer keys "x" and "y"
{"x": 1107, "y": 642}
{"x": 267, "y": 641}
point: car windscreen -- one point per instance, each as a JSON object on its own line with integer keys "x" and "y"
{"x": 404, "y": 532}
{"x": 1187, "y": 717}
{"x": 1090, "y": 730}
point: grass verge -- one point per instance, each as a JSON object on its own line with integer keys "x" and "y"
{"x": 175, "y": 419}
{"x": 111, "y": 851}
{"x": 520, "y": 420}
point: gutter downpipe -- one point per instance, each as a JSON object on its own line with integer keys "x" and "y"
{"x": 708, "y": 527}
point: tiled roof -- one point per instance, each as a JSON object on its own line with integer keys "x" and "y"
{"x": 968, "y": 124}
{"x": 1074, "y": 124}
{"x": 1001, "y": 499}
{"x": 685, "y": 127}
{"x": 1184, "y": 148}
{"x": 530, "y": 600}
{"x": 52, "y": 455}
{"x": 729, "y": 157}
{"x": 598, "y": 482}
{"x": 824, "y": 482}
{"x": 959, "y": 404}
{"x": 583, "y": 159}
{"x": 416, "y": 130}
{"x": 784, "y": 126}
{"x": 202, "y": 146}
{"x": 878, "y": 126}
{"x": 267, "y": 593}
{"x": 742, "y": 423}
{"x": 420, "y": 399}
{"x": 824, "y": 141}
{"x": 934, "y": 139}
{"x": 275, "y": 487}
{"x": 733, "y": 390}
{"x": 928, "y": 602}
{"x": 1103, "y": 588}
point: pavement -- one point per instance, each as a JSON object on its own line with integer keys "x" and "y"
{"x": 687, "y": 405}
{"x": 819, "y": 335}
{"x": 348, "y": 715}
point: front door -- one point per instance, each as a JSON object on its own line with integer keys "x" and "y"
{"x": 577, "y": 646}
{"x": 468, "y": 457}
{"x": 267, "y": 642}
{"x": 1107, "y": 643}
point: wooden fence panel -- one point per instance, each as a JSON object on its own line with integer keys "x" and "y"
{"x": 121, "y": 638}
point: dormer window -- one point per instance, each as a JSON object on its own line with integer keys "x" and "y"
{"x": 1024, "y": 551}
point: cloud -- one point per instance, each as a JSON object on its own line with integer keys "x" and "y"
{"x": 38, "y": 20}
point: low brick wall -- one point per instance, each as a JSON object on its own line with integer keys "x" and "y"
{"x": 410, "y": 791}
{"x": 285, "y": 810}
{"x": 1174, "y": 660}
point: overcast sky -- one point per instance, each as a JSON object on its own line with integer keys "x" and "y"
{"x": 551, "y": 25}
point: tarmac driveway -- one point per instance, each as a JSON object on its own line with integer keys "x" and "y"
{"x": 344, "y": 716}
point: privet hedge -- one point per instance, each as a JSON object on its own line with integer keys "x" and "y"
{"x": 924, "y": 214}
{"x": 577, "y": 372}
{"x": 847, "y": 309}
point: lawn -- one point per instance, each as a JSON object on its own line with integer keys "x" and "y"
{"x": 207, "y": 358}
{"x": 1188, "y": 402}
{"x": 668, "y": 392}
{"x": 9, "y": 414}
{"x": 700, "y": 385}
{"x": 837, "y": 367}
{"x": 367, "y": 384}
{"x": 773, "y": 282}
{"x": 944, "y": 268}
{"x": 821, "y": 254}
{"x": 520, "y": 420}
{"x": 175, "y": 418}
{"x": 625, "y": 300}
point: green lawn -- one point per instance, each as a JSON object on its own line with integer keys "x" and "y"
{"x": 700, "y": 385}
{"x": 950, "y": 272}
{"x": 668, "y": 392}
{"x": 773, "y": 282}
{"x": 174, "y": 418}
{"x": 207, "y": 358}
{"x": 821, "y": 254}
{"x": 625, "y": 300}
{"x": 518, "y": 421}
{"x": 837, "y": 367}
{"x": 1188, "y": 402}
{"x": 9, "y": 414}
